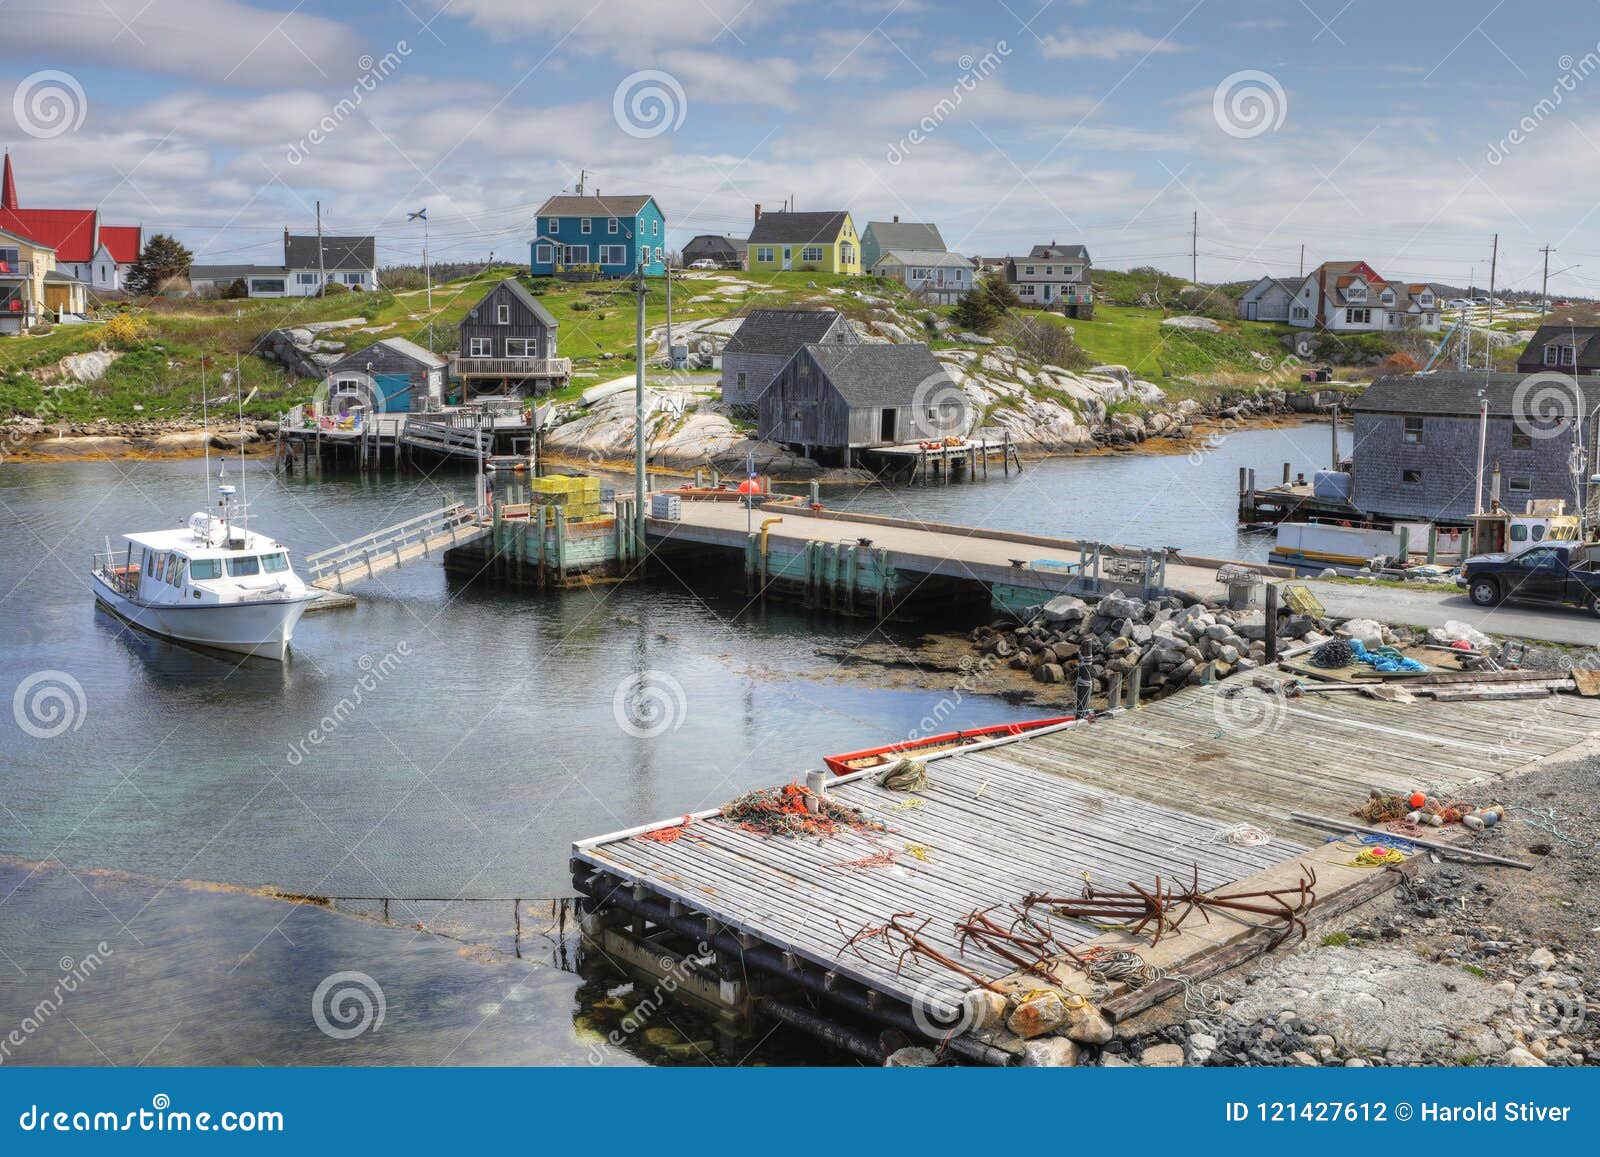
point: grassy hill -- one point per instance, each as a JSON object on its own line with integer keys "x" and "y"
{"x": 161, "y": 344}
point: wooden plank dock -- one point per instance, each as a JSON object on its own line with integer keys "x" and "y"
{"x": 1115, "y": 801}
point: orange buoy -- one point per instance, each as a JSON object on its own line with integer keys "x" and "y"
{"x": 1418, "y": 799}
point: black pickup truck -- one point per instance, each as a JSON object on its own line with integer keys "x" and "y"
{"x": 1558, "y": 572}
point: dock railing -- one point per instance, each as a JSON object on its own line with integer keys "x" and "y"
{"x": 386, "y": 548}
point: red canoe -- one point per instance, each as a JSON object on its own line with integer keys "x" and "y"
{"x": 878, "y": 756}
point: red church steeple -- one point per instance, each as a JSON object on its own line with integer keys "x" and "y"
{"x": 8, "y": 186}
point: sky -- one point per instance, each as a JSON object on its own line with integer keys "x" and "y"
{"x": 1407, "y": 133}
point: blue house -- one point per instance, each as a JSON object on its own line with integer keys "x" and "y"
{"x": 600, "y": 236}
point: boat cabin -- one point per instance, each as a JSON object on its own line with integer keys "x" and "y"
{"x": 208, "y": 561}
{"x": 1542, "y": 520}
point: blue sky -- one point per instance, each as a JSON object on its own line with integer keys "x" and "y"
{"x": 1406, "y": 133}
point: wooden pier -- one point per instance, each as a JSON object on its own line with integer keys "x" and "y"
{"x": 1117, "y": 801}
{"x": 938, "y": 463}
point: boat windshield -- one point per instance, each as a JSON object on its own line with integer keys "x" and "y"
{"x": 205, "y": 568}
{"x": 275, "y": 563}
{"x": 244, "y": 566}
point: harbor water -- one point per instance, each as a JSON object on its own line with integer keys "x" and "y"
{"x": 443, "y": 741}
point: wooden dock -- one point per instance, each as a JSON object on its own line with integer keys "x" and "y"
{"x": 1116, "y": 801}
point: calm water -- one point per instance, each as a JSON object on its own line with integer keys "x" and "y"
{"x": 485, "y": 740}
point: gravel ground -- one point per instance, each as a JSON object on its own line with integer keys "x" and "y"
{"x": 1468, "y": 964}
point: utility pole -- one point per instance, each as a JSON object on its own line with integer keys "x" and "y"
{"x": 1544, "y": 285}
{"x": 322, "y": 265}
{"x": 1302, "y": 259}
{"x": 582, "y": 176}
{"x": 671, "y": 365}
{"x": 1488, "y": 339}
{"x": 427, "y": 267}
{"x": 638, "y": 419}
{"x": 1194, "y": 249}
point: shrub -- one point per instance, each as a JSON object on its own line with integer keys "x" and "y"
{"x": 40, "y": 329}
{"x": 1046, "y": 342}
{"x": 582, "y": 306}
{"x": 333, "y": 289}
{"x": 235, "y": 290}
{"x": 1399, "y": 363}
{"x": 126, "y": 330}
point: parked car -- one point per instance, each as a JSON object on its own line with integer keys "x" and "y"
{"x": 1561, "y": 572}
{"x": 703, "y": 263}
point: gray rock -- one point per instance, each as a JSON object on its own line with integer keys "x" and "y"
{"x": 1165, "y": 1056}
{"x": 1065, "y": 609}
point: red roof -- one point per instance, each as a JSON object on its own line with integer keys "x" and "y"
{"x": 122, "y": 242}
{"x": 70, "y": 232}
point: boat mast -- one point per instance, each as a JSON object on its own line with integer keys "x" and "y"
{"x": 205, "y": 428}
{"x": 244, "y": 490}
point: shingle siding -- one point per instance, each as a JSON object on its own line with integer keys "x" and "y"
{"x": 765, "y": 342}
{"x": 1447, "y": 459}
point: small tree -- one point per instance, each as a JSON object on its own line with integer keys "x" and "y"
{"x": 163, "y": 261}
{"x": 235, "y": 290}
{"x": 998, "y": 290}
{"x": 977, "y": 312}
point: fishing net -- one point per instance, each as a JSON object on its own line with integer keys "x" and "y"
{"x": 793, "y": 810}
{"x": 904, "y": 775}
{"x": 1333, "y": 653}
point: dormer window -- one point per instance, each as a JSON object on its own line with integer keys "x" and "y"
{"x": 1559, "y": 354}
{"x": 1388, "y": 297}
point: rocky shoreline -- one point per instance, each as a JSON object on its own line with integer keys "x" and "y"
{"x": 28, "y": 440}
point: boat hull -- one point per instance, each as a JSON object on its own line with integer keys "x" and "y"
{"x": 876, "y": 756}
{"x": 263, "y": 629}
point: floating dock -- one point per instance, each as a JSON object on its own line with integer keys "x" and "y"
{"x": 795, "y": 924}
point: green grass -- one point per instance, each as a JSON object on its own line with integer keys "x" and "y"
{"x": 1171, "y": 357}
{"x": 1336, "y": 940}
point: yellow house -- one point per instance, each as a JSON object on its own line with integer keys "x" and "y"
{"x": 823, "y": 242}
{"x": 31, "y": 288}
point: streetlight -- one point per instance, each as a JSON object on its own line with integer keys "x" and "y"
{"x": 1544, "y": 293}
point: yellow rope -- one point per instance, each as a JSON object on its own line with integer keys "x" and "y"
{"x": 1377, "y": 858}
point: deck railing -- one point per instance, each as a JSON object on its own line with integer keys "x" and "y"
{"x": 469, "y": 367}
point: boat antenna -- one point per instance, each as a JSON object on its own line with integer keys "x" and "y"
{"x": 244, "y": 492}
{"x": 205, "y": 428}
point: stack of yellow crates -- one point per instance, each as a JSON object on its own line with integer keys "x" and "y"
{"x": 576, "y": 497}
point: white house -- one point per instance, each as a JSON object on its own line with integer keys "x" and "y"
{"x": 348, "y": 261}
{"x": 1054, "y": 277}
{"x": 937, "y": 277}
{"x": 1350, "y": 296}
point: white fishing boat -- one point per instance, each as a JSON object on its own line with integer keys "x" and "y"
{"x": 210, "y": 582}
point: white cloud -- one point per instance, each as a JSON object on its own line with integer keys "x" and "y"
{"x": 718, "y": 79}
{"x": 1104, "y": 44}
{"x": 222, "y": 41}
{"x": 628, "y": 28}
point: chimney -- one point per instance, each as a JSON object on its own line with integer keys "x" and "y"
{"x": 8, "y": 185}
{"x": 897, "y": 218}
{"x": 758, "y": 210}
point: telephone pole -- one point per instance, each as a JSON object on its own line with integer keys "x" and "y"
{"x": 1302, "y": 259}
{"x": 638, "y": 420}
{"x": 322, "y": 265}
{"x": 1194, "y": 249}
{"x": 1544, "y": 285}
{"x": 1488, "y": 340}
{"x": 582, "y": 176}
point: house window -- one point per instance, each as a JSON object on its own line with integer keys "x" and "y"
{"x": 1521, "y": 439}
{"x": 553, "y": 225}
{"x": 1557, "y": 354}
{"x": 1519, "y": 484}
{"x": 1413, "y": 432}
{"x": 480, "y": 347}
{"x": 522, "y": 347}
{"x": 811, "y": 253}
{"x": 613, "y": 255}
{"x": 741, "y": 381}
{"x": 1028, "y": 271}
{"x": 544, "y": 253}
{"x": 586, "y": 225}
{"x": 655, "y": 228}
{"x": 502, "y": 314}
{"x": 10, "y": 260}
{"x": 11, "y": 300}
{"x": 1025, "y": 290}
{"x": 763, "y": 253}
{"x": 1299, "y": 313}
{"x": 611, "y": 225}
{"x": 658, "y": 255}
{"x": 354, "y": 278}
{"x": 1411, "y": 477}
{"x": 266, "y": 285}
{"x": 1358, "y": 317}
{"x": 575, "y": 255}
{"x": 305, "y": 278}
